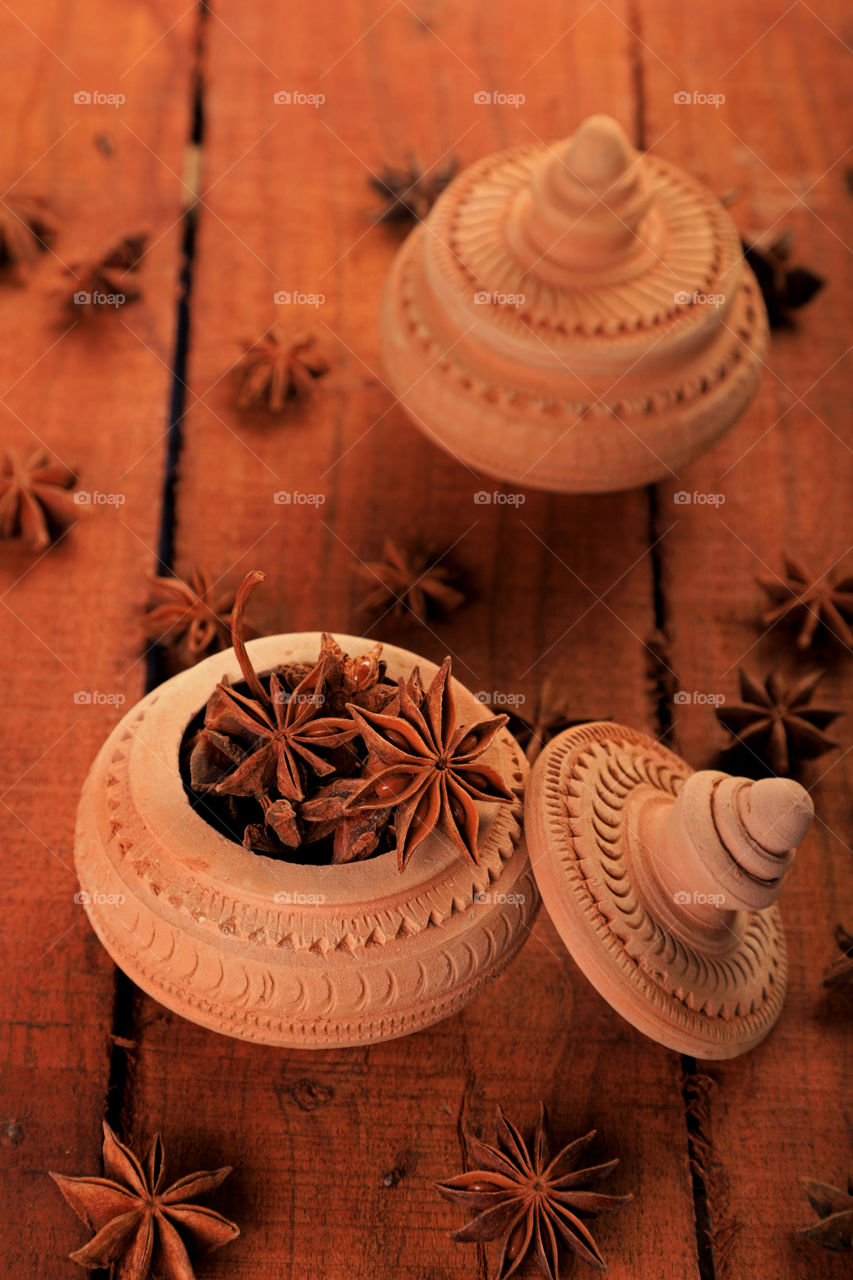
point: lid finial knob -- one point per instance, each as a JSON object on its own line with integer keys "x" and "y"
{"x": 731, "y": 841}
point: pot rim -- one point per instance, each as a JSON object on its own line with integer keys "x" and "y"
{"x": 205, "y": 853}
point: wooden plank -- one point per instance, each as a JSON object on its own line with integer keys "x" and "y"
{"x": 783, "y": 1112}
{"x": 338, "y": 1151}
{"x": 70, "y": 618}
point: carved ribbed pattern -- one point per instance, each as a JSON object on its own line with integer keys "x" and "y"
{"x": 591, "y": 777}
{"x": 294, "y": 975}
{"x": 698, "y": 243}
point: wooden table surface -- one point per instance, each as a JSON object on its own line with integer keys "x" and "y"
{"x": 621, "y": 599}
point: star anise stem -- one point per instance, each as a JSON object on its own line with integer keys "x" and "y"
{"x": 244, "y": 591}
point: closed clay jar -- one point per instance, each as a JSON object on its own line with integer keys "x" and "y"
{"x": 280, "y": 952}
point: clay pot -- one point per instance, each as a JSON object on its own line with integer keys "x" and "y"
{"x": 661, "y": 882}
{"x": 575, "y": 317}
{"x": 277, "y": 952}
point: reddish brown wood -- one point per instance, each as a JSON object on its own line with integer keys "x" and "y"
{"x": 98, "y": 401}
{"x": 369, "y": 1132}
{"x": 785, "y": 474}
{"x": 337, "y": 1152}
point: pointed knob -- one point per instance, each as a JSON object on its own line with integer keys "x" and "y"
{"x": 732, "y": 840}
{"x": 585, "y": 201}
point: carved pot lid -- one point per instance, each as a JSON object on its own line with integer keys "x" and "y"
{"x": 660, "y": 882}
{"x": 575, "y": 317}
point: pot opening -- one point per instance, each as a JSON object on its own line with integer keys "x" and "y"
{"x": 283, "y": 795}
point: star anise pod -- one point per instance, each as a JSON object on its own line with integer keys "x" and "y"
{"x": 192, "y": 617}
{"x": 278, "y": 730}
{"x": 108, "y": 282}
{"x": 427, "y": 768}
{"x": 356, "y": 833}
{"x": 783, "y": 287}
{"x": 274, "y": 372}
{"x": 529, "y": 1202}
{"x": 360, "y": 680}
{"x": 408, "y": 581}
{"x": 35, "y": 498}
{"x": 840, "y": 972}
{"x": 776, "y": 720}
{"x": 140, "y": 1225}
{"x": 409, "y": 193}
{"x": 547, "y": 717}
{"x": 27, "y": 228}
{"x": 834, "y": 1208}
{"x": 821, "y": 600}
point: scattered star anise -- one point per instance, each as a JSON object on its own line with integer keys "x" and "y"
{"x": 108, "y": 282}
{"x": 822, "y": 600}
{"x": 549, "y": 716}
{"x": 35, "y": 498}
{"x": 192, "y": 618}
{"x": 279, "y": 731}
{"x": 426, "y": 768}
{"x": 529, "y": 1202}
{"x": 407, "y": 581}
{"x": 27, "y": 228}
{"x": 783, "y": 287}
{"x": 274, "y": 372}
{"x": 410, "y": 193}
{"x": 834, "y": 1207}
{"x": 840, "y": 972}
{"x": 140, "y": 1225}
{"x": 777, "y": 721}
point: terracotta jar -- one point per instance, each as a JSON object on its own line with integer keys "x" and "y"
{"x": 575, "y": 317}
{"x": 275, "y": 951}
{"x": 661, "y": 882}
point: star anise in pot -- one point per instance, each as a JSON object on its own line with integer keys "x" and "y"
{"x": 428, "y": 768}
{"x": 532, "y": 1204}
{"x": 409, "y": 193}
{"x": 359, "y": 680}
{"x": 142, "y": 1227}
{"x": 280, "y": 731}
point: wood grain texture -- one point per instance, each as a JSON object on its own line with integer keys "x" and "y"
{"x": 785, "y": 474}
{"x": 558, "y": 586}
{"x": 336, "y": 1152}
{"x": 97, "y": 398}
